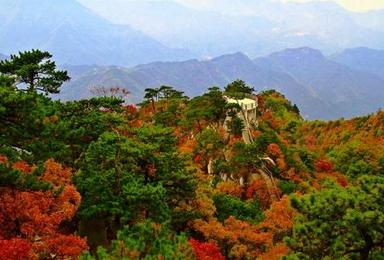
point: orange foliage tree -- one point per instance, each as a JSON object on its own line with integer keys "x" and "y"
{"x": 238, "y": 239}
{"x": 260, "y": 190}
{"x": 30, "y": 219}
{"x": 230, "y": 188}
{"x": 279, "y": 220}
{"x": 274, "y": 150}
{"x": 275, "y": 253}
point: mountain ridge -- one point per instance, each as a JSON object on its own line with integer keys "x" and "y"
{"x": 347, "y": 90}
{"x": 275, "y": 25}
{"x": 321, "y": 87}
{"x": 76, "y": 35}
{"x": 362, "y": 58}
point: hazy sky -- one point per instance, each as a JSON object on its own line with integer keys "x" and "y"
{"x": 354, "y": 5}
{"x": 358, "y": 5}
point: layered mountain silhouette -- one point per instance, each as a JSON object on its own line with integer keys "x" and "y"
{"x": 321, "y": 87}
{"x": 347, "y": 91}
{"x": 103, "y": 46}
{"x": 127, "y": 33}
{"x": 363, "y": 59}
{"x": 253, "y": 27}
{"x": 75, "y": 35}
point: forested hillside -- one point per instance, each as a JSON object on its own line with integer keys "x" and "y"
{"x": 174, "y": 178}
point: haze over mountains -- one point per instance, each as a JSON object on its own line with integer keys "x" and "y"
{"x": 103, "y": 42}
{"x": 321, "y": 87}
{"x": 253, "y": 27}
{"x": 76, "y": 35}
{"x": 364, "y": 59}
{"x": 131, "y": 32}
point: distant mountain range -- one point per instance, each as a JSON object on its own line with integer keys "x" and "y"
{"x": 128, "y": 33}
{"x": 75, "y": 35}
{"x": 102, "y": 42}
{"x": 345, "y": 90}
{"x": 322, "y": 87}
{"x": 255, "y": 27}
{"x": 3, "y": 57}
{"x": 363, "y": 59}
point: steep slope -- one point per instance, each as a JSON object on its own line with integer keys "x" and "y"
{"x": 364, "y": 59}
{"x": 350, "y": 92}
{"x": 76, "y": 35}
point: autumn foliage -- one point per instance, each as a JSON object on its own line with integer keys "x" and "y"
{"x": 259, "y": 189}
{"x": 3, "y": 159}
{"x": 241, "y": 239}
{"x": 275, "y": 253}
{"x": 323, "y": 166}
{"x": 279, "y": 218}
{"x": 168, "y": 179}
{"x": 30, "y": 219}
{"x": 15, "y": 248}
{"x": 230, "y": 188}
{"x": 274, "y": 150}
{"x": 206, "y": 251}
{"x": 22, "y": 166}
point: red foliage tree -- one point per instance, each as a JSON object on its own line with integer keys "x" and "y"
{"x": 3, "y": 159}
{"x": 323, "y": 165}
{"x": 198, "y": 158}
{"x": 30, "y": 220}
{"x": 15, "y": 248}
{"x": 66, "y": 246}
{"x": 205, "y": 251}
{"x": 342, "y": 180}
{"x": 22, "y": 166}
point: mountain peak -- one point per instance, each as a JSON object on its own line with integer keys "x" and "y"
{"x": 233, "y": 58}
{"x": 76, "y": 35}
{"x": 299, "y": 53}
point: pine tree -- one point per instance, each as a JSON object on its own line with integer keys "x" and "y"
{"x": 35, "y": 69}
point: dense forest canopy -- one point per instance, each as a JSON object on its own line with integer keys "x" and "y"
{"x": 174, "y": 177}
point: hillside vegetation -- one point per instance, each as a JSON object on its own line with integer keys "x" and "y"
{"x": 172, "y": 178}
{"x": 324, "y": 87}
